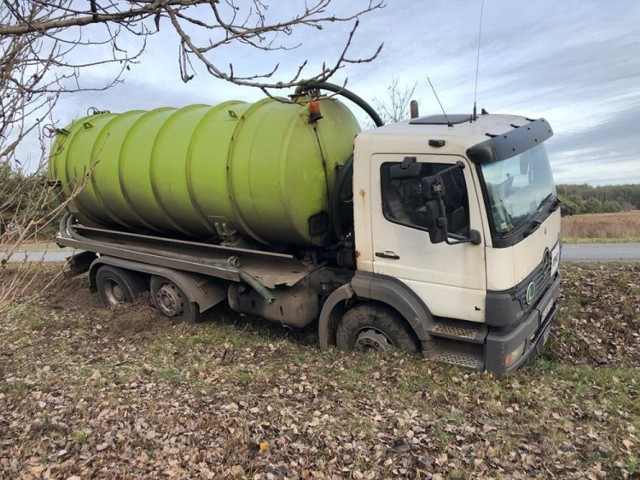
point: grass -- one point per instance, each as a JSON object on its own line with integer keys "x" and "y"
{"x": 599, "y": 240}
{"x": 245, "y": 377}
{"x": 621, "y": 227}
{"x": 80, "y": 436}
{"x": 199, "y": 400}
{"x": 171, "y": 376}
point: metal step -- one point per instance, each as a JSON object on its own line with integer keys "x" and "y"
{"x": 460, "y": 359}
{"x": 462, "y": 331}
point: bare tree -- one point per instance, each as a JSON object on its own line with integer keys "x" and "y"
{"x": 394, "y": 106}
{"x": 44, "y": 47}
{"x": 36, "y": 67}
{"x": 202, "y": 26}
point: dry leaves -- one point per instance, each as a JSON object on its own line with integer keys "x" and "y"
{"x": 599, "y": 316}
{"x": 86, "y": 392}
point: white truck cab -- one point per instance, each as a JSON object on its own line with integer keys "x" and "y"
{"x": 478, "y": 255}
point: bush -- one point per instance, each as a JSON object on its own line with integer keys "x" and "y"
{"x": 593, "y": 205}
{"x": 610, "y": 206}
{"x": 570, "y": 206}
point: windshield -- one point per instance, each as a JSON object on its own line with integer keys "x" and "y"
{"x": 517, "y": 187}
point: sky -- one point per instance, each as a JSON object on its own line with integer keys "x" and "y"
{"x": 575, "y": 63}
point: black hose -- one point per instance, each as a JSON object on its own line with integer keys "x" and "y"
{"x": 347, "y": 171}
{"x": 348, "y": 94}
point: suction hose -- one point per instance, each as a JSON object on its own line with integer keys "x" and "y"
{"x": 346, "y": 172}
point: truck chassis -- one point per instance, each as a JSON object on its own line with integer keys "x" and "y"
{"x": 354, "y": 310}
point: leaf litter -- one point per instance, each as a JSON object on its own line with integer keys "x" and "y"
{"x": 87, "y": 392}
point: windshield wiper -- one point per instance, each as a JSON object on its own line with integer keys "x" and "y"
{"x": 535, "y": 224}
{"x": 555, "y": 203}
{"x": 543, "y": 211}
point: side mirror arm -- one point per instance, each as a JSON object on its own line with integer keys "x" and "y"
{"x": 474, "y": 239}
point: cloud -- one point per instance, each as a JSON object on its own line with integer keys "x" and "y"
{"x": 574, "y": 62}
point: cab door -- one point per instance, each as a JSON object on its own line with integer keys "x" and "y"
{"x": 450, "y": 279}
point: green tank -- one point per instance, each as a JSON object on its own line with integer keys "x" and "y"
{"x": 265, "y": 170}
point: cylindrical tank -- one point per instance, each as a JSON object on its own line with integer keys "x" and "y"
{"x": 264, "y": 169}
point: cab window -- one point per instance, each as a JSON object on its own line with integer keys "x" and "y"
{"x": 404, "y": 203}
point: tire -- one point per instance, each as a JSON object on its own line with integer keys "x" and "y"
{"x": 374, "y": 327}
{"x": 172, "y": 302}
{"x": 117, "y": 286}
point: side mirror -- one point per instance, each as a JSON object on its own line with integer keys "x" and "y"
{"x": 436, "y": 222}
{"x": 409, "y": 168}
{"x": 433, "y": 191}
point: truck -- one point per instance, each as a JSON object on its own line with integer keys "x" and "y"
{"x": 439, "y": 234}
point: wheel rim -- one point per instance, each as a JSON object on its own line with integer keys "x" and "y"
{"x": 114, "y": 292}
{"x": 372, "y": 339}
{"x": 169, "y": 300}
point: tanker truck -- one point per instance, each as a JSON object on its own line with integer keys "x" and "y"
{"x": 439, "y": 234}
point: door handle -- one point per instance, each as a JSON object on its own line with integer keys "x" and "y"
{"x": 388, "y": 254}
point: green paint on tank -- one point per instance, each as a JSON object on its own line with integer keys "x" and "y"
{"x": 262, "y": 169}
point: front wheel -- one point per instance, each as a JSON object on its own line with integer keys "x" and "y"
{"x": 374, "y": 327}
{"x": 172, "y": 302}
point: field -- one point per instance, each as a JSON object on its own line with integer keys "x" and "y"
{"x": 87, "y": 392}
{"x": 608, "y": 227}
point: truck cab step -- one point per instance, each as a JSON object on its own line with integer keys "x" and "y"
{"x": 461, "y": 331}
{"x": 460, "y": 359}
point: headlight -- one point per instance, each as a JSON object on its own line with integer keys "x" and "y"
{"x": 515, "y": 355}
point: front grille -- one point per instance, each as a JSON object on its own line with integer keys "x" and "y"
{"x": 541, "y": 276}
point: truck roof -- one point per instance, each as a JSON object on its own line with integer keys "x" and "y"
{"x": 416, "y": 134}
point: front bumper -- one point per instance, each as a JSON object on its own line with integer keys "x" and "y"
{"x": 533, "y": 331}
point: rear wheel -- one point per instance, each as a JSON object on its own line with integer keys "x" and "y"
{"x": 172, "y": 302}
{"x": 117, "y": 286}
{"x": 374, "y": 327}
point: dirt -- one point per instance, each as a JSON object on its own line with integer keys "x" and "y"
{"x": 139, "y": 319}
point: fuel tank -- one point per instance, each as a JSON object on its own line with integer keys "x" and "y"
{"x": 264, "y": 170}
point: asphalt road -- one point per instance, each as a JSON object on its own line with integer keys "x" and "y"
{"x": 588, "y": 252}
{"x": 601, "y": 252}
{"x": 53, "y": 256}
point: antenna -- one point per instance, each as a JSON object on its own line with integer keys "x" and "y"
{"x": 475, "y": 93}
{"x": 441, "y": 107}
